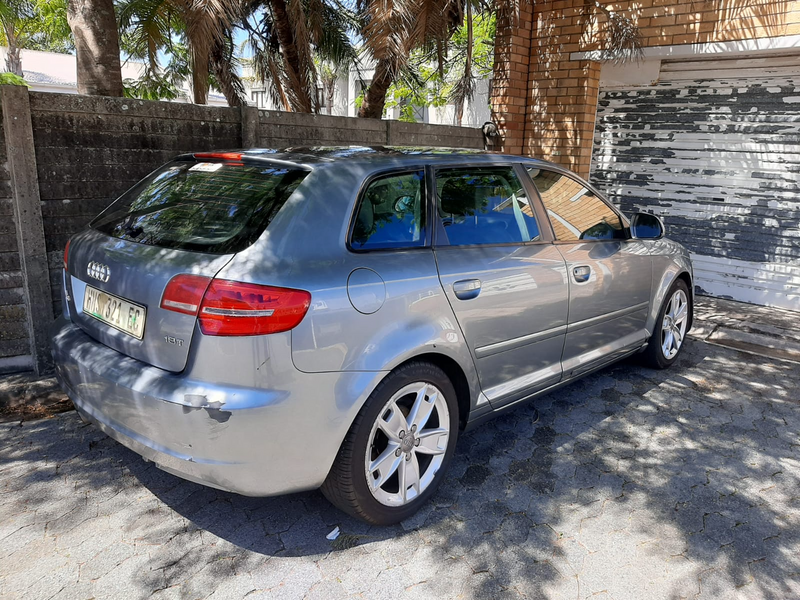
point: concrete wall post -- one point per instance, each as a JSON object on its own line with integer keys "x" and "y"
{"x": 250, "y": 126}
{"x": 28, "y": 221}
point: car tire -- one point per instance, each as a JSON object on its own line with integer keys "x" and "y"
{"x": 671, "y": 327}
{"x": 401, "y": 445}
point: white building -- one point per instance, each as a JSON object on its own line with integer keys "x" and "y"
{"x": 55, "y": 72}
{"x": 349, "y": 88}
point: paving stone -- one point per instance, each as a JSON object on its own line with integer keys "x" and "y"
{"x": 633, "y": 484}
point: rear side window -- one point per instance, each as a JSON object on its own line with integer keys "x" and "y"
{"x": 574, "y": 211}
{"x": 484, "y": 205}
{"x": 391, "y": 213}
{"x": 213, "y": 207}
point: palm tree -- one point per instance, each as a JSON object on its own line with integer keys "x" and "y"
{"x": 205, "y": 28}
{"x": 392, "y": 29}
{"x": 94, "y": 27}
{"x": 33, "y": 24}
{"x": 329, "y": 75}
{"x": 13, "y": 18}
{"x": 285, "y": 36}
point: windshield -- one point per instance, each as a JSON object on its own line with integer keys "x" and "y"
{"x": 216, "y": 207}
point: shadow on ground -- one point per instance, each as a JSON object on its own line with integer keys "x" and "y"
{"x": 634, "y": 483}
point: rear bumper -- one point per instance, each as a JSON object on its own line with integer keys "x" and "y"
{"x": 256, "y": 442}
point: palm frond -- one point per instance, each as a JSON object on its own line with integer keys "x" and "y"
{"x": 334, "y": 45}
{"x": 622, "y": 37}
{"x": 144, "y": 29}
{"x": 224, "y": 65}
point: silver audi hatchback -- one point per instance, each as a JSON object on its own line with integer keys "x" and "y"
{"x": 268, "y": 321}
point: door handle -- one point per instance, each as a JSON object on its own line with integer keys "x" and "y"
{"x": 467, "y": 289}
{"x": 581, "y": 274}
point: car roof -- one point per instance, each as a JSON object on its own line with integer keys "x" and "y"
{"x": 373, "y": 156}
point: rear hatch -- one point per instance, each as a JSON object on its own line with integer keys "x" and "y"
{"x": 189, "y": 217}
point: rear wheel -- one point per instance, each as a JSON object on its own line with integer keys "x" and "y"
{"x": 672, "y": 325}
{"x": 398, "y": 449}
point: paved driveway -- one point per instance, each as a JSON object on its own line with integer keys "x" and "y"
{"x": 634, "y": 484}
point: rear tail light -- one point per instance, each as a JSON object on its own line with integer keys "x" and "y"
{"x": 233, "y": 308}
{"x": 66, "y": 254}
{"x": 184, "y": 293}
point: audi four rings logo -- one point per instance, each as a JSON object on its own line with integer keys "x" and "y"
{"x": 98, "y": 271}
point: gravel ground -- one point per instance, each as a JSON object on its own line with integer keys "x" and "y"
{"x": 634, "y": 484}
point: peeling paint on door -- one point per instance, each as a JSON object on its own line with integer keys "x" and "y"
{"x": 717, "y": 155}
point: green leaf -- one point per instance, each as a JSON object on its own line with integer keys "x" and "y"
{"x": 11, "y": 79}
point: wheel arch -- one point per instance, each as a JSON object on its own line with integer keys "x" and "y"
{"x": 687, "y": 279}
{"x": 455, "y": 373}
{"x": 666, "y": 270}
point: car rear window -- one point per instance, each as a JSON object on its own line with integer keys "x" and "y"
{"x": 215, "y": 207}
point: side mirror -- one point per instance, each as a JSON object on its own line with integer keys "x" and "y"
{"x": 645, "y": 226}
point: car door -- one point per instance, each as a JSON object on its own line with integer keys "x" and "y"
{"x": 503, "y": 277}
{"x": 610, "y": 275}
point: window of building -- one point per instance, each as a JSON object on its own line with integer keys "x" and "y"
{"x": 259, "y": 98}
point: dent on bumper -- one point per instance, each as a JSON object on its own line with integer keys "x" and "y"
{"x": 255, "y": 442}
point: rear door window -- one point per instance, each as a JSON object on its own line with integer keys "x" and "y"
{"x": 483, "y": 205}
{"x": 214, "y": 207}
{"x": 575, "y": 212}
{"x": 391, "y": 213}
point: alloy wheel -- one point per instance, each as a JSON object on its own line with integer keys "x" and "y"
{"x": 407, "y": 444}
{"x": 673, "y": 327}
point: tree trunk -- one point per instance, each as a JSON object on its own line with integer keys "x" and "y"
{"x": 13, "y": 57}
{"x": 94, "y": 27}
{"x": 285, "y": 34}
{"x": 375, "y": 98}
{"x": 467, "y": 65}
{"x": 199, "y": 74}
{"x": 229, "y": 83}
{"x": 14, "y": 61}
{"x": 233, "y": 93}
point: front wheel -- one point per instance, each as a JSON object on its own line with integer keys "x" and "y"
{"x": 671, "y": 328}
{"x": 398, "y": 448}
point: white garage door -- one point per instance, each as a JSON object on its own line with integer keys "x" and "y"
{"x": 714, "y": 147}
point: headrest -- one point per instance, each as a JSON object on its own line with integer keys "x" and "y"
{"x": 457, "y": 197}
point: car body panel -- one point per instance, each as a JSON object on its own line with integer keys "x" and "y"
{"x": 242, "y": 438}
{"x": 235, "y": 412}
{"x": 608, "y": 312}
{"x": 670, "y": 261}
{"x": 137, "y": 273}
{"x": 515, "y": 326}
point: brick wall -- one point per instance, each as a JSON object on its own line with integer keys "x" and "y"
{"x": 546, "y": 104}
{"x": 510, "y": 79}
{"x": 89, "y": 150}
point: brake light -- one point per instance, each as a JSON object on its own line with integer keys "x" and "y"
{"x": 66, "y": 254}
{"x": 232, "y": 308}
{"x": 184, "y": 293}
{"x": 220, "y": 155}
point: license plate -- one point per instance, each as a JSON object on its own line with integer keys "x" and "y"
{"x": 112, "y": 310}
